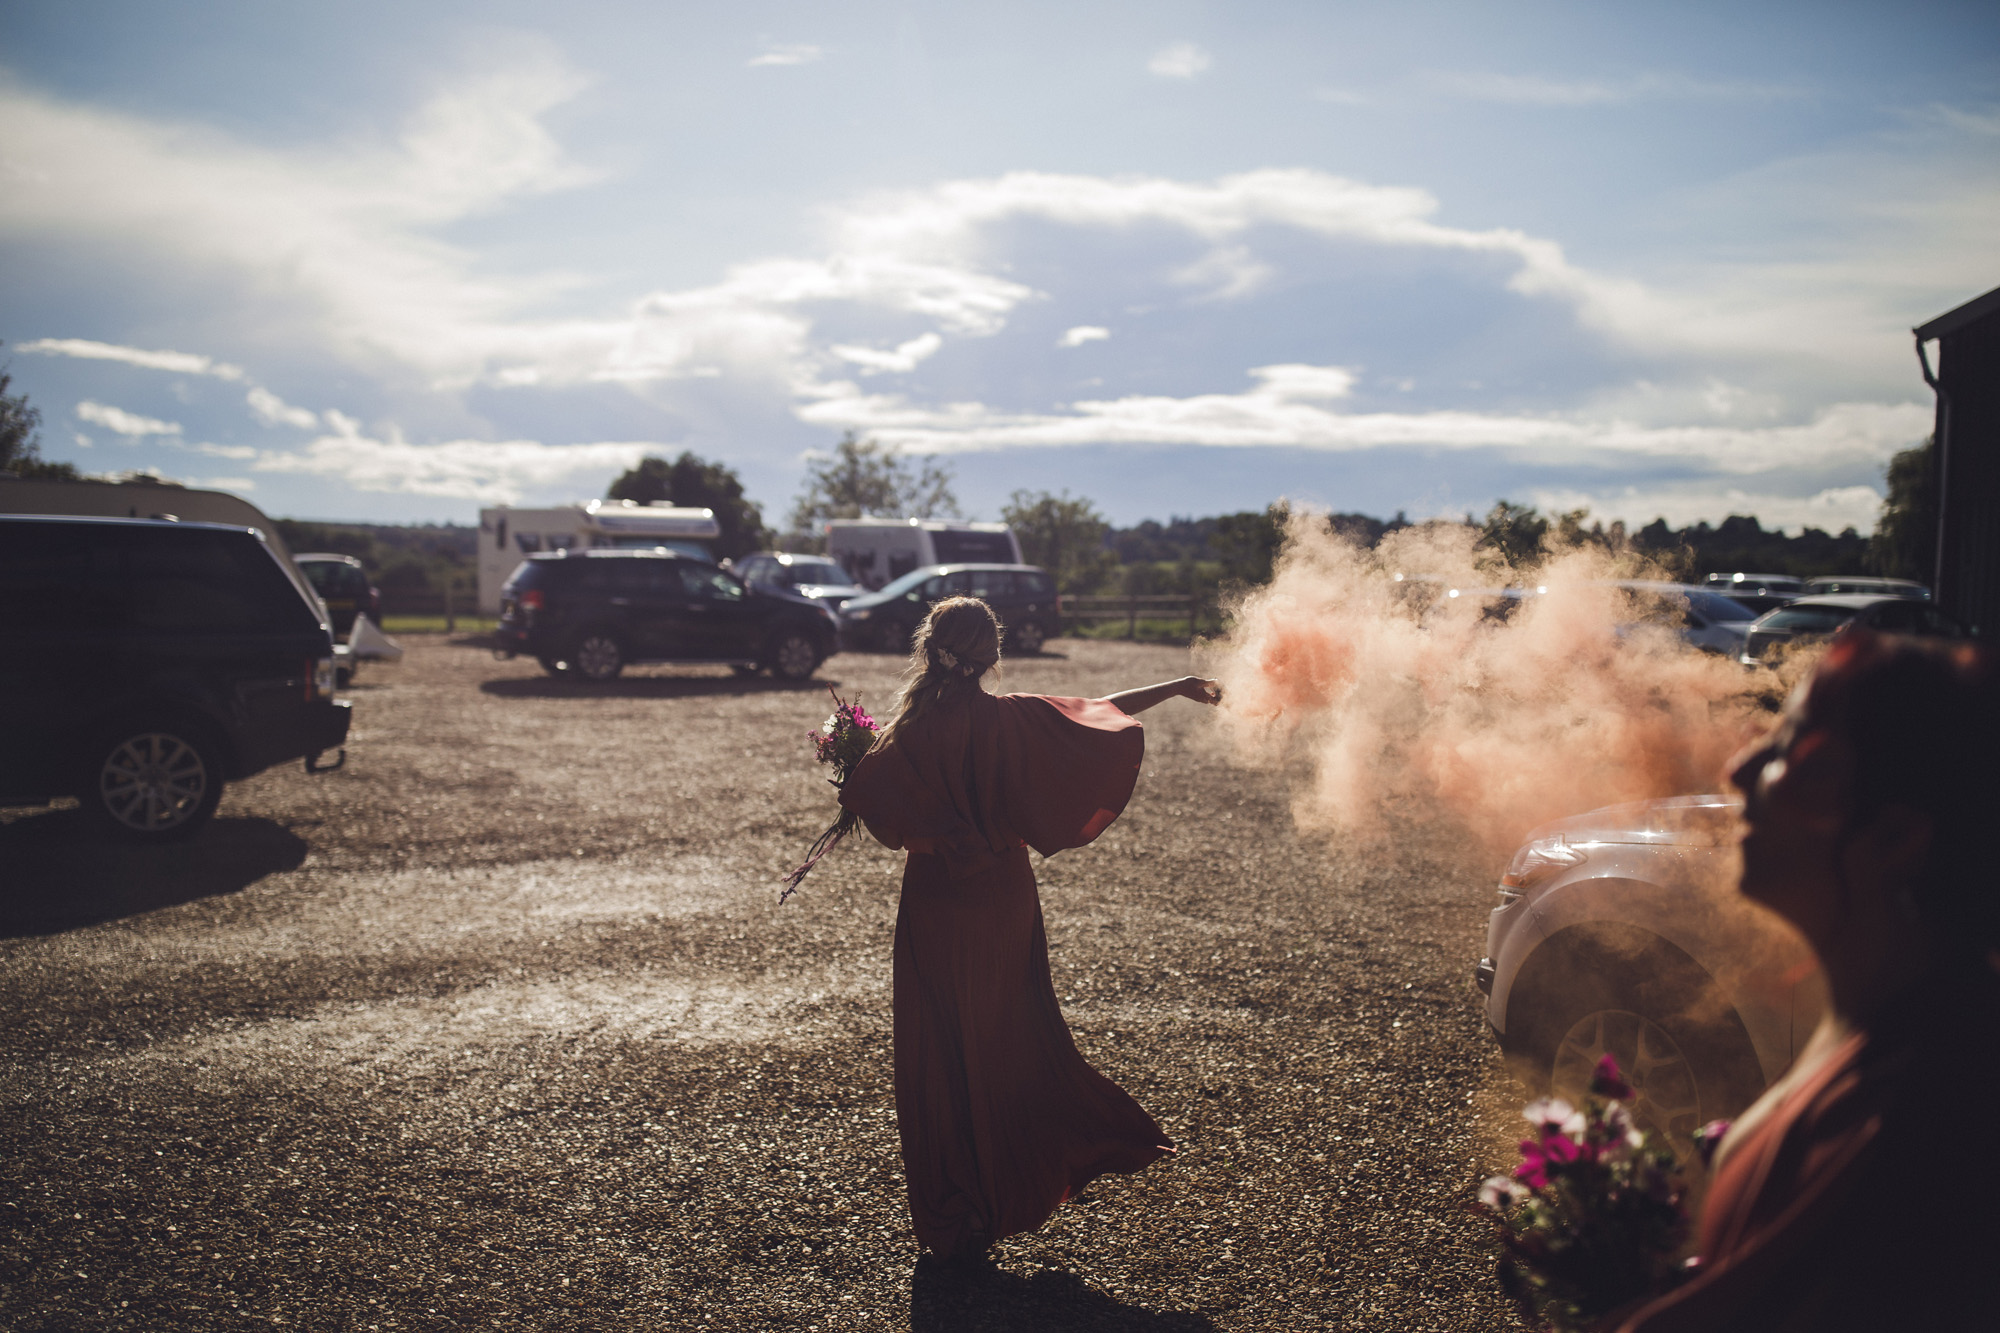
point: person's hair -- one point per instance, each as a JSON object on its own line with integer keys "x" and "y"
{"x": 958, "y": 643}
{"x": 1923, "y": 718}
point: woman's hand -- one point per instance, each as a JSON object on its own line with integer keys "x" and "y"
{"x": 1201, "y": 690}
{"x": 1133, "y": 702}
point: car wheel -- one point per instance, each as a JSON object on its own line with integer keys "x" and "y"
{"x": 1027, "y": 638}
{"x": 597, "y": 656}
{"x": 1622, "y": 990}
{"x": 793, "y": 656}
{"x": 153, "y": 783}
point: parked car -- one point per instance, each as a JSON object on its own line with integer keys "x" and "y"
{"x": 811, "y": 576}
{"x": 145, "y": 663}
{"x": 1621, "y": 930}
{"x": 1860, "y": 584}
{"x": 1820, "y": 617}
{"x": 1023, "y": 596}
{"x": 595, "y": 611}
{"x": 343, "y": 585}
{"x": 1707, "y": 620}
{"x": 1759, "y": 592}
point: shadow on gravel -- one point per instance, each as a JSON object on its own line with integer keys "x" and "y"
{"x": 645, "y": 687}
{"x": 61, "y": 877}
{"x": 957, "y": 1299}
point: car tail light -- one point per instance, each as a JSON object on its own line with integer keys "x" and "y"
{"x": 1538, "y": 860}
{"x": 319, "y": 679}
{"x": 531, "y": 600}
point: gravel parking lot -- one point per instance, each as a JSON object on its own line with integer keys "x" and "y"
{"x": 501, "y": 1027}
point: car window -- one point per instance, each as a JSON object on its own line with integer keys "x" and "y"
{"x": 1034, "y": 583}
{"x": 54, "y": 577}
{"x": 967, "y": 547}
{"x": 990, "y": 585}
{"x": 1714, "y": 606}
{"x": 1809, "y": 619}
{"x": 1898, "y": 617}
{"x": 709, "y": 583}
{"x": 817, "y": 571}
{"x": 218, "y": 582}
{"x": 907, "y": 583}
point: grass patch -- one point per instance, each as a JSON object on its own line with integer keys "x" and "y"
{"x": 435, "y": 624}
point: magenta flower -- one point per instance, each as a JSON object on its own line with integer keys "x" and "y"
{"x": 1607, "y": 1081}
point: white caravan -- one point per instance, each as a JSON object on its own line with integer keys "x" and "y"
{"x": 875, "y": 550}
{"x": 507, "y": 534}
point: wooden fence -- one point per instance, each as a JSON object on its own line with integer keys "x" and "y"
{"x": 1132, "y": 609}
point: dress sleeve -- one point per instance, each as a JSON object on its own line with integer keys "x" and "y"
{"x": 1066, "y": 767}
{"x": 897, "y": 805}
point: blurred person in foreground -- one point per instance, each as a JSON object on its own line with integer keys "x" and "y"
{"x": 1862, "y": 1191}
{"x": 1001, "y": 1119}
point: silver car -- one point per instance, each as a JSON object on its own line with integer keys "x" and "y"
{"x": 1621, "y": 930}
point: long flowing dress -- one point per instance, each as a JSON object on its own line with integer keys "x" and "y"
{"x": 1001, "y": 1119}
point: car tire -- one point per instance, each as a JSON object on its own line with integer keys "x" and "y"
{"x": 153, "y": 781}
{"x": 1617, "y": 988}
{"x": 597, "y": 656}
{"x": 1026, "y": 638}
{"x": 792, "y": 655}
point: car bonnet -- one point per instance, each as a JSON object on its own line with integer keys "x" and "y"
{"x": 1684, "y": 821}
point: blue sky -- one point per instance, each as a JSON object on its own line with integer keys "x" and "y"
{"x": 393, "y": 261}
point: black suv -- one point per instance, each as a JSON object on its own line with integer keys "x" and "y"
{"x": 593, "y": 611}
{"x": 1023, "y": 596}
{"x": 146, "y": 662}
{"x": 343, "y": 585}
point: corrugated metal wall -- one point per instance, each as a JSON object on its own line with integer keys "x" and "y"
{"x": 1968, "y": 579}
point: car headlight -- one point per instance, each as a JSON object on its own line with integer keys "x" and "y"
{"x": 861, "y": 614}
{"x": 1538, "y": 860}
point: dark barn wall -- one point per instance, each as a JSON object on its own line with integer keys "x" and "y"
{"x": 1968, "y": 575}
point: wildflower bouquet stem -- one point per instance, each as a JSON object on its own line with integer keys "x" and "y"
{"x": 841, "y": 742}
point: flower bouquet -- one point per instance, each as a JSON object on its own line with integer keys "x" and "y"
{"x": 840, "y": 741}
{"x": 1594, "y": 1216}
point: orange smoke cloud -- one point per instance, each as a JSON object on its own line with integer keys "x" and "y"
{"x": 1396, "y": 691}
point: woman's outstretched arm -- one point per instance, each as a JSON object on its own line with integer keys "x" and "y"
{"x": 1133, "y": 702}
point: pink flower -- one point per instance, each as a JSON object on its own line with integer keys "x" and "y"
{"x": 1607, "y": 1081}
{"x": 1551, "y": 1152}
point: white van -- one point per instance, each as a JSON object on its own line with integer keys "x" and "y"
{"x": 876, "y": 550}
{"x": 507, "y": 535}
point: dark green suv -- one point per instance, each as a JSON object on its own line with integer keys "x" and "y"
{"x": 592, "y": 612}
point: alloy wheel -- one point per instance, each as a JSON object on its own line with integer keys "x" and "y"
{"x": 598, "y": 657}
{"x": 153, "y": 782}
{"x": 1666, "y": 1096}
{"x": 795, "y": 657}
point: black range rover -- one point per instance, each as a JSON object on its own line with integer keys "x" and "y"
{"x": 594, "y": 611}
{"x": 143, "y": 663}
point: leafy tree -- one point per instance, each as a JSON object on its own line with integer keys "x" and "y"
{"x": 865, "y": 479}
{"x": 1063, "y": 535}
{"x": 1905, "y": 541}
{"x": 1513, "y": 532}
{"x": 696, "y": 483}
{"x": 20, "y": 438}
{"x": 1247, "y": 544}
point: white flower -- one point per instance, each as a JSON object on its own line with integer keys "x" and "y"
{"x": 1499, "y": 1192}
{"x": 1549, "y": 1111}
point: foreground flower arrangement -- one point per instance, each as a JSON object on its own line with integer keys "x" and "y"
{"x": 1594, "y": 1217}
{"x": 840, "y": 742}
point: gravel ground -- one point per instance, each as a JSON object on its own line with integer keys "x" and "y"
{"x": 501, "y": 1027}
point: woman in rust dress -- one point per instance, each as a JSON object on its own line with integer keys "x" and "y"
{"x": 1862, "y": 1191}
{"x": 1001, "y": 1119}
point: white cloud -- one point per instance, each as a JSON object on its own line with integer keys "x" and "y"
{"x": 798, "y": 53}
{"x": 903, "y": 359}
{"x": 489, "y": 471}
{"x": 272, "y": 410}
{"x": 1294, "y": 406}
{"x": 185, "y": 363}
{"x": 1533, "y": 90}
{"x": 125, "y": 423}
{"x": 1681, "y": 504}
{"x": 1182, "y": 60}
{"x": 1083, "y": 333}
